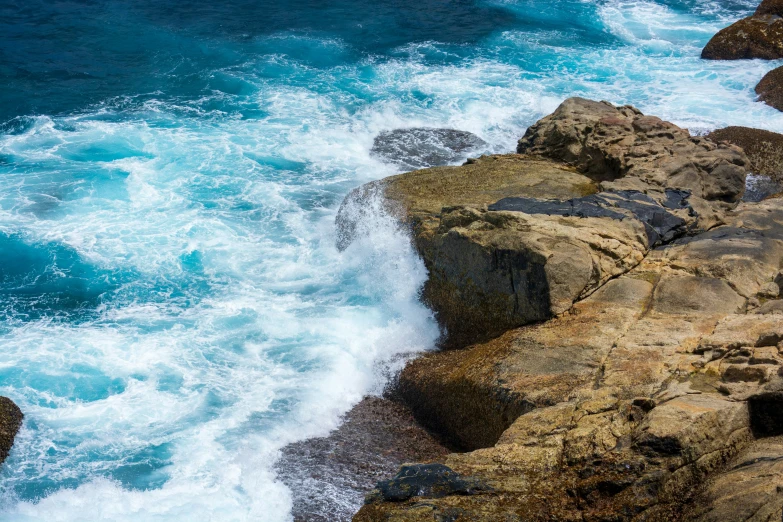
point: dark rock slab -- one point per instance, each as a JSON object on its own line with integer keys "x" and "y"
{"x": 757, "y": 36}
{"x": 770, "y": 88}
{"x": 661, "y": 226}
{"x": 330, "y": 476}
{"x": 420, "y": 147}
{"x": 425, "y": 480}
{"x": 10, "y": 422}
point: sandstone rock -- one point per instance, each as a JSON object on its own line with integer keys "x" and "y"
{"x": 10, "y": 422}
{"x": 748, "y": 491}
{"x": 627, "y": 150}
{"x": 764, "y": 150}
{"x": 757, "y": 36}
{"x": 419, "y": 148}
{"x": 615, "y": 364}
{"x": 770, "y": 88}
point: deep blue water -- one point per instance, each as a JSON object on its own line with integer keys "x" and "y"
{"x": 173, "y": 309}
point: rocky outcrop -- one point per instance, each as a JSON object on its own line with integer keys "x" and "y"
{"x": 626, "y": 150}
{"x": 623, "y": 319}
{"x": 770, "y": 88}
{"x": 622, "y": 408}
{"x": 10, "y": 422}
{"x": 422, "y": 147}
{"x": 757, "y": 36}
{"x": 499, "y": 256}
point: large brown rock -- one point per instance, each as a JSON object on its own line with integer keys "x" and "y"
{"x": 763, "y": 148}
{"x": 757, "y": 36}
{"x": 770, "y": 88}
{"x": 661, "y": 358}
{"x": 10, "y": 422}
{"x": 624, "y": 149}
{"x": 621, "y": 409}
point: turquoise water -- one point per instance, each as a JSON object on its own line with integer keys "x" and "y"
{"x": 173, "y": 309}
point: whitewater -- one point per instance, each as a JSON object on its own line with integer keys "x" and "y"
{"x": 173, "y": 308}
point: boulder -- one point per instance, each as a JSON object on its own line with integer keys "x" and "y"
{"x": 422, "y": 147}
{"x": 770, "y": 7}
{"x": 764, "y": 150}
{"x": 770, "y": 88}
{"x": 626, "y": 150}
{"x": 757, "y": 36}
{"x": 10, "y": 422}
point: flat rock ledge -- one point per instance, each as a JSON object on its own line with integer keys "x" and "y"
{"x": 615, "y": 320}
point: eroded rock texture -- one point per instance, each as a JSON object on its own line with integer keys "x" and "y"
{"x": 770, "y": 88}
{"x": 10, "y": 422}
{"x": 757, "y": 36}
{"x": 619, "y": 321}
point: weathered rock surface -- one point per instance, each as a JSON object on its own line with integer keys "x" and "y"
{"x": 624, "y": 320}
{"x": 10, "y": 422}
{"x": 419, "y": 148}
{"x": 757, "y": 36}
{"x": 764, "y": 149}
{"x": 750, "y": 490}
{"x": 622, "y": 408}
{"x": 770, "y": 88}
{"x": 500, "y": 256}
{"x": 626, "y": 150}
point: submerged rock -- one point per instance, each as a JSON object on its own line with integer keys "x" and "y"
{"x": 10, "y": 422}
{"x": 419, "y": 148}
{"x": 770, "y": 88}
{"x": 757, "y": 36}
{"x": 425, "y": 480}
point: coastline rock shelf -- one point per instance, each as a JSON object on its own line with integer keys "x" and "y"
{"x": 612, "y": 328}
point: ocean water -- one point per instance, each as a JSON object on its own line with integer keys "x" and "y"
{"x": 173, "y": 309}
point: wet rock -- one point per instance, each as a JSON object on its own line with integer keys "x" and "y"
{"x": 770, "y": 88}
{"x": 426, "y": 480}
{"x": 10, "y": 422}
{"x": 627, "y": 150}
{"x": 419, "y": 148}
{"x": 765, "y": 154}
{"x": 329, "y": 476}
{"x": 757, "y": 36}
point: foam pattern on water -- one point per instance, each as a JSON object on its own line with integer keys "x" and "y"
{"x": 173, "y": 306}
